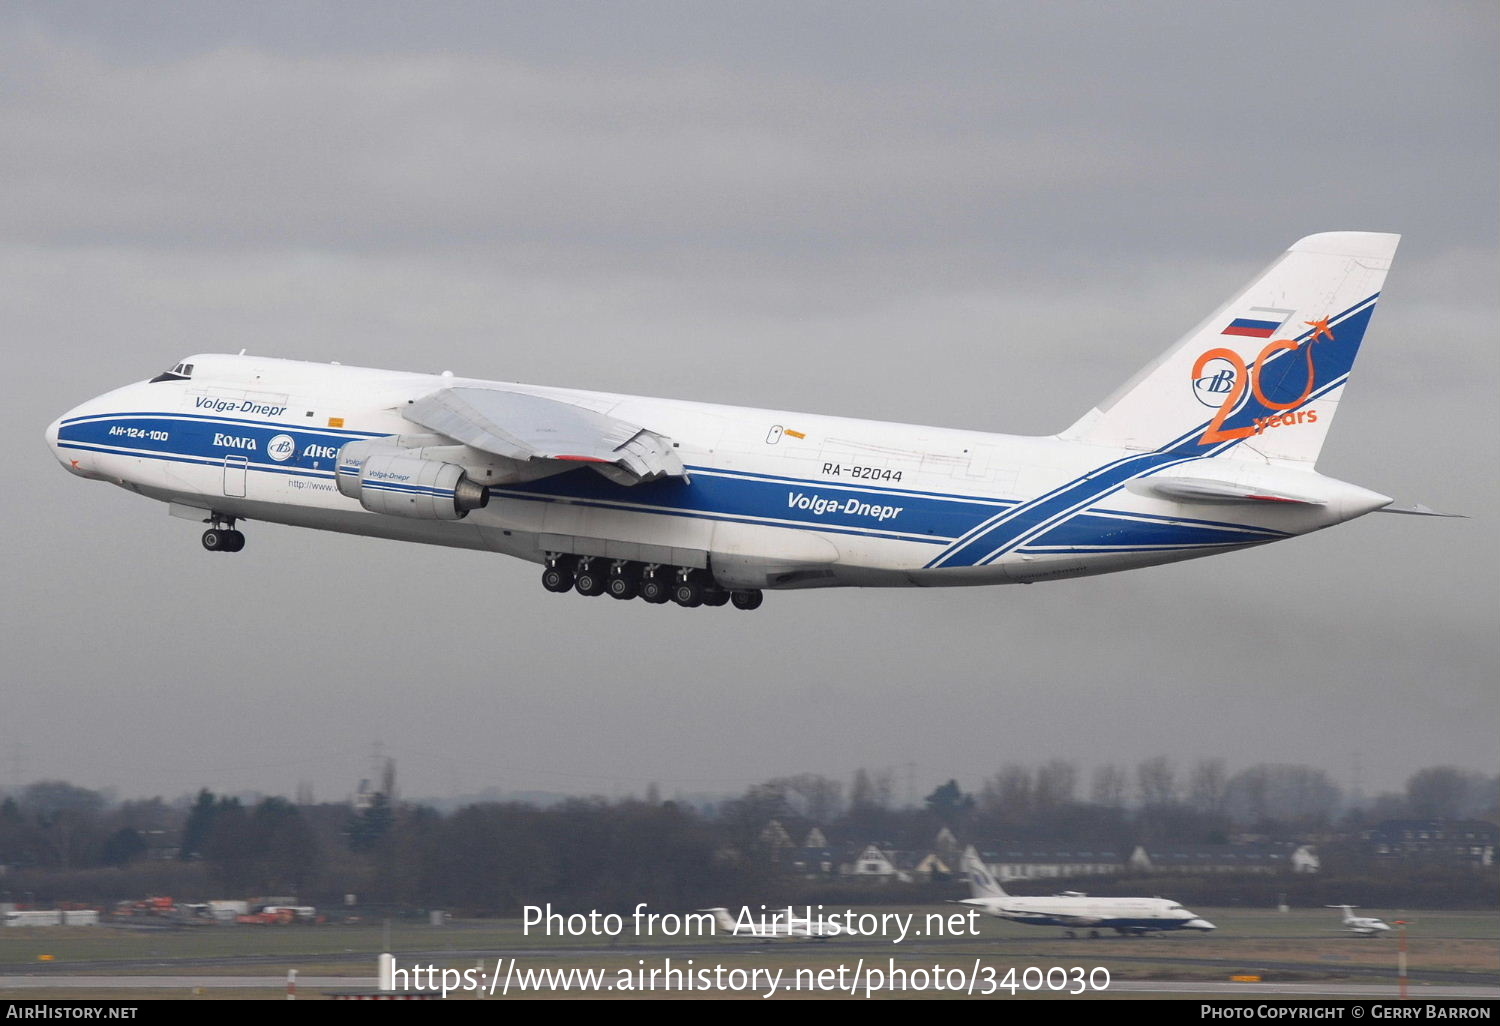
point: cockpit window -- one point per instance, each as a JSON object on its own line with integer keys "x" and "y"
{"x": 181, "y": 372}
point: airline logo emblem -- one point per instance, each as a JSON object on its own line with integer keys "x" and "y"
{"x": 281, "y": 448}
{"x": 1258, "y": 322}
{"x": 1215, "y": 384}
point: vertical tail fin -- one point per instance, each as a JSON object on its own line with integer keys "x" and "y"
{"x": 722, "y": 917}
{"x": 1347, "y": 910}
{"x": 982, "y": 883}
{"x": 1261, "y": 378}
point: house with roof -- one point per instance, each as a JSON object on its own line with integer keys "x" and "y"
{"x": 1052, "y": 862}
{"x": 874, "y": 862}
{"x": 1225, "y": 858}
{"x": 1076, "y": 860}
{"x": 1453, "y": 841}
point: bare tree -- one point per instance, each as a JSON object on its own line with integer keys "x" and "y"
{"x": 1108, "y": 786}
{"x": 1156, "y": 781}
{"x": 817, "y": 797}
{"x": 1442, "y": 792}
{"x": 1269, "y": 797}
{"x": 1207, "y": 787}
{"x": 1055, "y": 784}
{"x": 1006, "y": 798}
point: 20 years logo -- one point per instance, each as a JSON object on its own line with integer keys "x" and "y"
{"x": 1221, "y": 376}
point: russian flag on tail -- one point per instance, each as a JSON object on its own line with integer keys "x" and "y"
{"x": 1258, "y": 322}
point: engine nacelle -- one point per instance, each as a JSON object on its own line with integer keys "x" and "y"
{"x": 401, "y": 483}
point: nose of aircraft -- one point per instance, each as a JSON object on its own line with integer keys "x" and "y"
{"x": 52, "y": 433}
{"x": 1198, "y": 924}
{"x": 73, "y": 460}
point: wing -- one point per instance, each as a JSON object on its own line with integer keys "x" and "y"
{"x": 1077, "y": 920}
{"x": 525, "y": 427}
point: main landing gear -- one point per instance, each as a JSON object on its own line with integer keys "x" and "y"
{"x": 222, "y": 537}
{"x": 654, "y": 583}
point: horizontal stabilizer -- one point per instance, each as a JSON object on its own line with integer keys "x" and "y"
{"x": 1186, "y": 489}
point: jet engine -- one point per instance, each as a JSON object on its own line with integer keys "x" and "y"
{"x": 402, "y": 483}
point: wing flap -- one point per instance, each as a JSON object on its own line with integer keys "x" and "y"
{"x": 522, "y": 426}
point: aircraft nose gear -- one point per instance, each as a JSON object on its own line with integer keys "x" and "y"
{"x": 223, "y": 539}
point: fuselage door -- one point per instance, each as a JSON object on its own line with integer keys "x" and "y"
{"x": 234, "y": 476}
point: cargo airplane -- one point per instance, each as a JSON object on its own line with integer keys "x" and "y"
{"x": 1208, "y": 449}
{"x": 1073, "y": 911}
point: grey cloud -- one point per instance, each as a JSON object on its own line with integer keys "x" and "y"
{"x": 972, "y": 215}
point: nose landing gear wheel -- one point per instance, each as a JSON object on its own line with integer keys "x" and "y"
{"x": 715, "y": 596}
{"x": 747, "y": 599}
{"x": 221, "y": 539}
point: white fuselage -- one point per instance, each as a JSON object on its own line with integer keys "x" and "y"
{"x": 1127, "y": 915}
{"x": 1365, "y": 926}
{"x": 771, "y": 499}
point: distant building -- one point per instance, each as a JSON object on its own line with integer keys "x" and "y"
{"x": 933, "y": 866}
{"x": 774, "y": 836}
{"x": 1044, "y": 863}
{"x": 874, "y": 862}
{"x": 1454, "y": 841}
{"x": 1061, "y": 862}
{"x": 814, "y": 861}
{"x": 1226, "y": 858}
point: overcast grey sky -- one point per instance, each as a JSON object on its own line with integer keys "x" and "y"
{"x": 974, "y": 214}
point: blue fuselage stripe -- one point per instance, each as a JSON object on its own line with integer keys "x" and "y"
{"x": 834, "y": 507}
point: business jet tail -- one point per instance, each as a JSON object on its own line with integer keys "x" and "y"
{"x": 722, "y": 917}
{"x": 1260, "y": 379}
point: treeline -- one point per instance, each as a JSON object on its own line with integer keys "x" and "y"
{"x": 482, "y": 859}
{"x": 61, "y": 842}
{"x": 1154, "y": 802}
